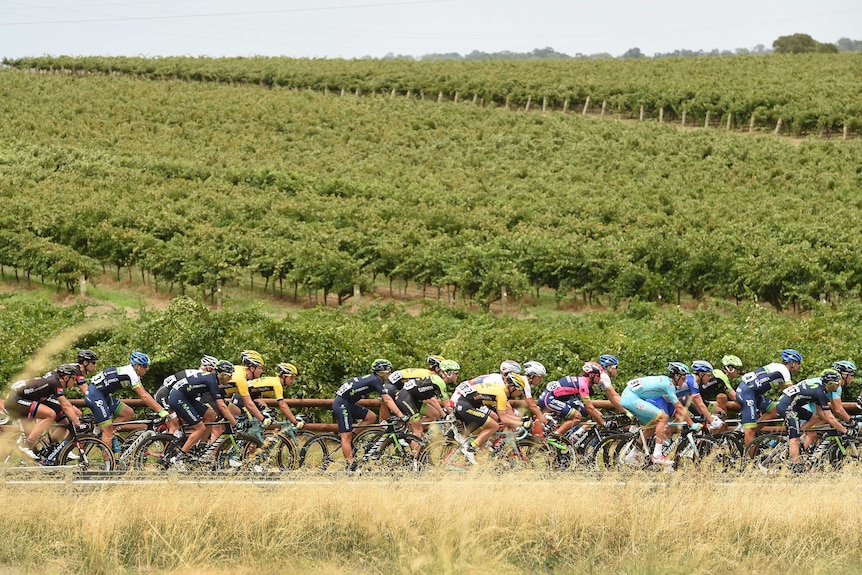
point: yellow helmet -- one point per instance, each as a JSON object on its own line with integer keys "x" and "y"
{"x": 516, "y": 380}
{"x": 251, "y": 358}
{"x": 285, "y": 368}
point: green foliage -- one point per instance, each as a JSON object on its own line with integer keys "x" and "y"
{"x": 330, "y": 345}
{"x": 802, "y": 44}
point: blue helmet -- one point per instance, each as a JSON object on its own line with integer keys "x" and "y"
{"x": 677, "y": 368}
{"x": 700, "y": 366}
{"x": 845, "y": 367}
{"x": 789, "y": 355}
{"x": 608, "y": 360}
{"x": 139, "y": 358}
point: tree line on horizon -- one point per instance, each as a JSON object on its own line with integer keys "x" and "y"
{"x": 793, "y": 44}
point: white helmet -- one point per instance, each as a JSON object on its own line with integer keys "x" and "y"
{"x": 510, "y": 366}
{"x": 535, "y": 368}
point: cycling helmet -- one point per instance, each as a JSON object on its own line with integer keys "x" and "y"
{"x": 608, "y": 360}
{"x": 449, "y": 365}
{"x": 731, "y": 361}
{"x": 434, "y": 362}
{"x": 701, "y": 366}
{"x": 87, "y": 355}
{"x": 516, "y": 380}
{"x": 845, "y": 367}
{"x": 591, "y": 368}
{"x": 380, "y": 365}
{"x": 208, "y": 362}
{"x": 789, "y": 355}
{"x": 286, "y": 369}
{"x": 139, "y": 358}
{"x": 224, "y": 367}
{"x": 829, "y": 376}
{"x": 67, "y": 369}
{"x": 510, "y": 366}
{"x": 535, "y": 368}
{"x": 251, "y": 358}
{"x": 677, "y": 368}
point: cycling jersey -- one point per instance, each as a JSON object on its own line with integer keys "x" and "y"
{"x": 357, "y": 388}
{"x": 764, "y": 378}
{"x": 112, "y": 379}
{"x": 794, "y": 402}
{"x": 170, "y": 380}
{"x": 266, "y": 387}
{"x": 238, "y": 382}
{"x": 25, "y": 396}
{"x": 198, "y": 384}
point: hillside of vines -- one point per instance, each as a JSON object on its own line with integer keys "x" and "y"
{"x": 196, "y": 184}
{"x": 808, "y": 92}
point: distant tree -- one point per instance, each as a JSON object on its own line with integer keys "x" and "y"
{"x": 801, "y": 44}
{"x": 633, "y": 53}
{"x": 848, "y": 45}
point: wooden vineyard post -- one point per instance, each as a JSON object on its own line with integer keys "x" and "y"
{"x": 545, "y": 104}
{"x": 586, "y": 106}
{"x": 846, "y": 131}
{"x": 683, "y": 118}
{"x": 642, "y": 114}
{"x": 706, "y": 121}
{"x": 778, "y": 127}
{"x": 604, "y": 107}
{"x": 661, "y": 115}
{"x": 504, "y": 296}
{"x": 529, "y": 100}
{"x": 456, "y": 97}
{"x": 566, "y": 106}
{"x": 729, "y": 122}
{"x": 751, "y": 124}
{"x": 439, "y": 97}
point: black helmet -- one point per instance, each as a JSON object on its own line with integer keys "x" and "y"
{"x": 87, "y": 355}
{"x": 67, "y": 369}
{"x": 381, "y": 365}
{"x": 224, "y": 367}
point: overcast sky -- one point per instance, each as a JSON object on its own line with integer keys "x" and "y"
{"x": 359, "y": 28}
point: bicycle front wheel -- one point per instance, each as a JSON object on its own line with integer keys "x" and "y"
{"x": 87, "y": 454}
{"x": 153, "y": 454}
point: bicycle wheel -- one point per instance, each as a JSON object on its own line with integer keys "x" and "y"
{"x": 851, "y": 454}
{"x": 275, "y": 455}
{"x": 394, "y": 454}
{"x": 87, "y": 454}
{"x": 564, "y": 455}
{"x": 153, "y": 454}
{"x": 528, "y": 454}
{"x": 323, "y": 455}
{"x": 768, "y": 453}
{"x": 231, "y": 455}
{"x": 445, "y": 454}
{"x": 703, "y": 453}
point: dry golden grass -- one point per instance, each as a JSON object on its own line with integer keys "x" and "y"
{"x": 645, "y": 523}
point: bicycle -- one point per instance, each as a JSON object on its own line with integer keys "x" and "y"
{"x": 78, "y": 449}
{"x": 224, "y": 454}
{"x": 153, "y": 425}
{"x": 278, "y": 452}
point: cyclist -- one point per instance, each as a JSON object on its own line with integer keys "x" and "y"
{"x": 635, "y": 398}
{"x": 534, "y": 372}
{"x": 731, "y": 367}
{"x": 485, "y": 407}
{"x": 569, "y": 397}
{"x": 346, "y": 410}
{"x": 106, "y": 408}
{"x": 610, "y": 367}
{"x": 847, "y": 371}
{"x": 43, "y": 399}
{"x": 251, "y": 368}
{"x": 702, "y": 375}
{"x": 419, "y": 399}
{"x": 792, "y": 407}
{"x": 273, "y": 388}
{"x": 395, "y": 382}
{"x": 750, "y": 392}
{"x": 208, "y": 364}
{"x": 185, "y": 400}
{"x": 86, "y": 364}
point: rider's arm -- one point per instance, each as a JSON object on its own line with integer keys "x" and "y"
{"x": 285, "y": 409}
{"x": 390, "y": 403}
{"x": 594, "y": 412}
{"x": 826, "y": 414}
{"x": 148, "y": 399}
{"x": 614, "y": 398}
{"x": 69, "y": 409}
{"x": 681, "y": 412}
